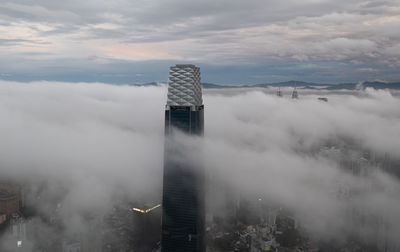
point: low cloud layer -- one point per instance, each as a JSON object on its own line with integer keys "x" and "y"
{"x": 295, "y": 151}
{"x": 89, "y": 138}
{"x": 91, "y": 142}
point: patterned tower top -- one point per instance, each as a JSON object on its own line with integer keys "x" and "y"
{"x": 184, "y": 86}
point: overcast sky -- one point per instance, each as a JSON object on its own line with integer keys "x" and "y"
{"x": 233, "y": 41}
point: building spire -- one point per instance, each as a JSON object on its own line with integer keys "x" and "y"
{"x": 295, "y": 95}
{"x": 279, "y": 93}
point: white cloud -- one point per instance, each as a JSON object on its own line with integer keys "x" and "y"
{"x": 89, "y": 142}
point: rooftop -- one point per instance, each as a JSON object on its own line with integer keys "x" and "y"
{"x": 4, "y": 194}
{"x": 184, "y": 87}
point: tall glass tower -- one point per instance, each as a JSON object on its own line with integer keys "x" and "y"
{"x": 183, "y": 187}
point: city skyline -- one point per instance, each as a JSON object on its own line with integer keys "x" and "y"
{"x": 86, "y": 151}
{"x": 112, "y": 141}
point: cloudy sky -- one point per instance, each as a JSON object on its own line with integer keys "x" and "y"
{"x": 234, "y": 41}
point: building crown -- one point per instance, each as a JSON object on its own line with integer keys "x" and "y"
{"x": 184, "y": 86}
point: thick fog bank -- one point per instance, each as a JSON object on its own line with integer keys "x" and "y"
{"x": 80, "y": 146}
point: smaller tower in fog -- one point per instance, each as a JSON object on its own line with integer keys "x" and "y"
{"x": 295, "y": 95}
{"x": 279, "y": 93}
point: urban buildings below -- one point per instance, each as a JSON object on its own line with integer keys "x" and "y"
{"x": 183, "y": 187}
{"x": 11, "y": 199}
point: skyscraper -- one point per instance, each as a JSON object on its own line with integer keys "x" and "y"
{"x": 183, "y": 186}
{"x": 295, "y": 95}
{"x": 279, "y": 93}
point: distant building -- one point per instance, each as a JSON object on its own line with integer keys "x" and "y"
{"x": 183, "y": 205}
{"x": 18, "y": 233}
{"x": 8, "y": 202}
{"x": 284, "y": 222}
{"x": 11, "y": 198}
{"x": 71, "y": 246}
{"x": 279, "y": 93}
{"x": 295, "y": 95}
{"x": 286, "y": 230}
{"x": 3, "y": 218}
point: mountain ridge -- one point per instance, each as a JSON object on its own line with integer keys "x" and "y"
{"x": 301, "y": 85}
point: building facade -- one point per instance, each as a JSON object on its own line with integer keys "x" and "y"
{"x": 11, "y": 198}
{"x": 183, "y": 186}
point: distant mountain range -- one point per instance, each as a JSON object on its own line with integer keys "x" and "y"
{"x": 306, "y": 85}
{"x": 311, "y": 85}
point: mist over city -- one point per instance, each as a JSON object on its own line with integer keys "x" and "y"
{"x": 208, "y": 126}
{"x": 83, "y": 150}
